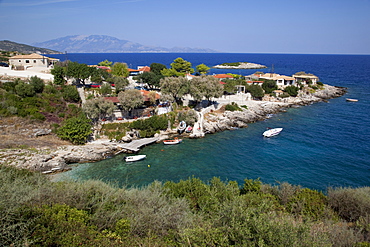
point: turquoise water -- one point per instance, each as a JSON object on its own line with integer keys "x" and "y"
{"x": 324, "y": 144}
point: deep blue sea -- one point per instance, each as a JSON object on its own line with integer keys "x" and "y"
{"x": 322, "y": 145}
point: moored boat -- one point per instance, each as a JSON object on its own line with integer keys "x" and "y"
{"x": 352, "y": 100}
{"x": 135, "y": 158}
{"x": 172, "y": 142}
{"x": 182, "y": 127}
{"x": 272, "y": 132}
{"x": 188, "y": 129}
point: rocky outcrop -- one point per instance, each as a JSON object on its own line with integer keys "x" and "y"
{"x": 240, "y": 66}
{"x": 57, "y": 160}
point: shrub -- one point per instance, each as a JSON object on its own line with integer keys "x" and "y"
{"x": 75, "y": 130}
{"x": 292, "y": 90}
{"x": 190, "y": 117}
{"x": 232, "y": 107}
{"x": 37, "y": 84}
{"x": 350, "y": 204}
{"x": 70, "y": 94}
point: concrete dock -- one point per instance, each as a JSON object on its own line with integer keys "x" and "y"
{"x": 135, "y": 145}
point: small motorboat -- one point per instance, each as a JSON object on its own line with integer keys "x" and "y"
{"x": 182, "y": 127}
{"x": 272, "y": 132}
{"x": 352, "y": 100}
{"x": 172, "y": 142}
{"x": 135, "y": 158}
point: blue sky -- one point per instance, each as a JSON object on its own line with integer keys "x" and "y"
{"x": 242, "y": 26}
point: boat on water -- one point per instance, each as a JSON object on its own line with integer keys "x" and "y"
{"x": 351, "y": 100}
{"x": 272, "y": 132}
{"x": 182, "y": 127}
{"x": 135, "y": 158}
{"x": 172, "y": 142}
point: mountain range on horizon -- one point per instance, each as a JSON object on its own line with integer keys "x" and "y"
{"x": 109, "y": 44}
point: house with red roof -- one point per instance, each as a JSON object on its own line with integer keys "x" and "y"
{"x": 223, "y": 76}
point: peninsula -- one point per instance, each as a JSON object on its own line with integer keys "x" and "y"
{"x": 239, "y": 65}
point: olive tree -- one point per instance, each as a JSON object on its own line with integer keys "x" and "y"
{"x": 205, "y": 87}
{"x": 97, "y": 109}
{"x": 175, "y": 87}
{"x": 130, "y": 99}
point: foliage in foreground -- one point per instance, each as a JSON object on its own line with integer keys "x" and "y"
{"x": 37, "y": 212}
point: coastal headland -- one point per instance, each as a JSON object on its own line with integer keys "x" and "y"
{"x": 212, "y": 119}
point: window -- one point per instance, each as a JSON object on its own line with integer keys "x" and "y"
{"x": 34, "y": 61}
{"x": 27, "y": 61}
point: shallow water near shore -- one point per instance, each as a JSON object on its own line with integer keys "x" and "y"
{"x": 323, "y": 144}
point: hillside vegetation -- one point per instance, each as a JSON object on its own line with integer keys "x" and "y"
{"x": 6, "y": 45}
{"x": 37, "y": 212}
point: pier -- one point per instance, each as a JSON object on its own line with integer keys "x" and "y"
{"x": 135, "y": 145}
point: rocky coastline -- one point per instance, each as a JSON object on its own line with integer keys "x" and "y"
{"x": 214, "y": 119}
{"x": 240, "y": 66}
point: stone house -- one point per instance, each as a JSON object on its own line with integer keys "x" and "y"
{"x": 22, "y": 62}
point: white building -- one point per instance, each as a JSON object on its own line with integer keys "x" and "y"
{"x": 21, "y": 62}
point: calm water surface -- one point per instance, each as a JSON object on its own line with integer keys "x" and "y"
{"x": 324, "y": 144}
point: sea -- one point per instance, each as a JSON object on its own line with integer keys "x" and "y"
{"x": 323, "y": 145}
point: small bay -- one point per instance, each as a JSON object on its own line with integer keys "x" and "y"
{"x": 323, "y": 144}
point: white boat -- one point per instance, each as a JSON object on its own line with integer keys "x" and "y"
{"x": 172, "y": 142}
{"x": 182, "y": 127}
{"x": 352, "y": 100}
{"x": 272, "y": 132}
{"x": 135, "y": 158}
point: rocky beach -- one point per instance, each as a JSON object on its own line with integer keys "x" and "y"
{"x": 212, "y": 119}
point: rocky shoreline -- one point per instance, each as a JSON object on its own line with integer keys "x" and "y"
{"x": 240, "y": 66}
{"x": 214, "y": 119}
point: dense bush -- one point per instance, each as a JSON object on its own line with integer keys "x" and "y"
{"x": 76, "y": 130}
{"x": 37, "y": 212}
{"x": 292, "y": 90}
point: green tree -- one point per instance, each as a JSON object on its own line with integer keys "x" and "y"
{"x": 182, "y": 66}
{"x": 202, "y": 69}
{"x": 70, "y": 94}
{"x": 130, "y": 99}
{"x": 269, "y": 86}
{"x": 97, "y": 109}
{"x": 37, "y": 83}
{"x": 292, "y": 90}
{"x": 179, "y": 67}
{"x": 106, "y": 89}
{"x": 150, "y": 78}
{"x": 205, "y": 86}
{"x": 120, "y": 69}
{"x": 256, "y": 91}
{"x": 25, "y": 90}
{"x": 76, "y": 130}
{"x": 175, "y": 87}
{"x": 59, "y": 74}
{"x": 156, "y": 68}
{"x": 105, "y": 63}
{"x": 119, "y": 83}
{"x": 80, "y": 72}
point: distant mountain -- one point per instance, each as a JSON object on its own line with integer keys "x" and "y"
{"x": 7, "y": 45}
{"x": 108, "y": 44}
